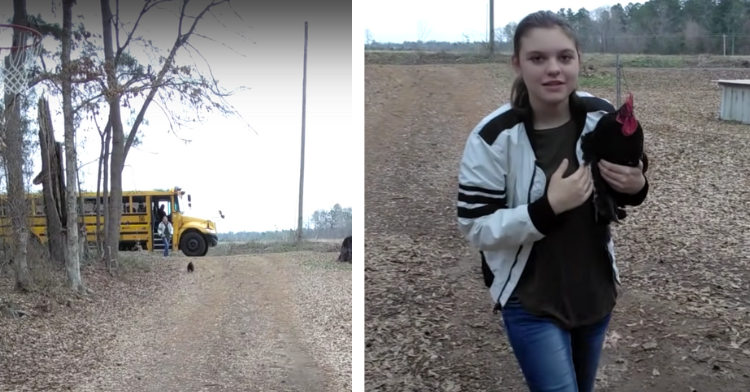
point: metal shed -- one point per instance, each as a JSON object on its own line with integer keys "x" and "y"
{"x": 735, "y": 100}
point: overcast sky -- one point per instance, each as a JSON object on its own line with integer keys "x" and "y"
{"x": 252, "y": 178}
{"x": 447, "y": 20}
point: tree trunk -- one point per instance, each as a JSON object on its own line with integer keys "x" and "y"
{"x": 60, "y": 182}
{"x": 50, "y": 177}
{"x": 17, "y": 203}
{"x": 83, "y": 241}
{"x": 72, "y": 260}
{"x": 105, "y": 192}
{"x": 97, "y": 206}
{"x": 118, "y": 137}
{"x": 102, "y": 168}
{"x": 115, "y": 187}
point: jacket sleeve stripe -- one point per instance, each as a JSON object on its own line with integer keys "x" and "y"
{"x": 484, "y": 217}
{"x": 469, "y": 188}
{"x": 478, "y": 212}
{"x": 481, "y": 199}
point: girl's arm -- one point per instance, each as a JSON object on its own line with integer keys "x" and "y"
{"x": 484, "y": 217}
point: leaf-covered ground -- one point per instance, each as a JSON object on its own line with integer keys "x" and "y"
{"x": 238, "y": 323}
{"x": 683, "y": 317}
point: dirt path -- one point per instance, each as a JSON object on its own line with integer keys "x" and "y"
{"x": 229, "y": 326}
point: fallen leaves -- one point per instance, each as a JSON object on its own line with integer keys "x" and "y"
{"x": 66, "y": 337}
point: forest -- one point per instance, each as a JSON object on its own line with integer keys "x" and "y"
{"x": 334, "y": 223}
{"x": 720, "y": 27}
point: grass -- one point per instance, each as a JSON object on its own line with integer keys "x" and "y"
{"x": 135, "y": 262}
{"x": 262, "y": 247}
{"x": 322, "y": 261}
{"x": 600, "y": 60}
{"x": 597, "y": 80}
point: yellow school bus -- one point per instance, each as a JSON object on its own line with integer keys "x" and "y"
{"x": 139, "y": 223}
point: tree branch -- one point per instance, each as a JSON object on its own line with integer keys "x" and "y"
{"x": 146, "y": 7}
{"x": 181, "y": 39}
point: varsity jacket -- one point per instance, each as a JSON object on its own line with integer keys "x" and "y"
{"x": 501, "y": 208}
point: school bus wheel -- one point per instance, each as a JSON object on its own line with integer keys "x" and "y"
{"x": 193, "y": 244}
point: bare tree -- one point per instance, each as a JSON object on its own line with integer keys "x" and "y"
{"x": 602, "y": 25}
{"x": 694, "y": 36}
{"x": 508, "y": 31}
{"x": 199, "y": 92}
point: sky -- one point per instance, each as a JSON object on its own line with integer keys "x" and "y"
{"x": 248, "y": 168}
{"x": 446, "y": 20}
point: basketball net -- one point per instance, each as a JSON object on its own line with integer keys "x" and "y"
{"x": 17, "y": 58}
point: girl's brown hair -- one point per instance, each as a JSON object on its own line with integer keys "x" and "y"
{"x": 519, "y": 94}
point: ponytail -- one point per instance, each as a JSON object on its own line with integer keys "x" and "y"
{"x": 519, "y": 94}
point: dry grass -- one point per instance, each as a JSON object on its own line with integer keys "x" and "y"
{"x": 683, "y": 255}
{"x": 386, "y": 57}
{"x": 263, "y": 247}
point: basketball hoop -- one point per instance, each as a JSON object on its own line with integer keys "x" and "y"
{"x": 17, "y": 58}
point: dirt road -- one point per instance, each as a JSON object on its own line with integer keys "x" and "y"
{"x": 233, "y": 325}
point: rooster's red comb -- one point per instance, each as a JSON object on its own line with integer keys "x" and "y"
{"x": 626, "y": 110}
{"x": 629, "y": 102}
{"x": 626, "y": 117}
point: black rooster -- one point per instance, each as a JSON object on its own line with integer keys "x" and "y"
{"x": 190, "y": 267}
{"x": 617, "y": 138}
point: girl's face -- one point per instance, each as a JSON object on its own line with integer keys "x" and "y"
{"x": 549, "y": 64}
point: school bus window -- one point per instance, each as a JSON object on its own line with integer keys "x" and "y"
{"x": 89, "y": 206}
{"x": 139, "y": 205}
{"x": 126, "y": 204}
{"x": 38, "y": 206}
{"x": 4, "y": 207}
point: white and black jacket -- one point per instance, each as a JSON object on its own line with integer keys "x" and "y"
{"x": 501, "y": 208}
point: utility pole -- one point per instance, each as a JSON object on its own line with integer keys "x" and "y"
{"x": 302, "y": 151}
{"x": 492, "y": 26}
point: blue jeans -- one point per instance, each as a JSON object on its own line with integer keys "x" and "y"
{"x": 553, "y": 359}
{"x": 166, "y": 245}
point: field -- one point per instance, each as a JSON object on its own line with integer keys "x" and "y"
{"x": 683, "y": 314}
{"x": 241, "y": 322}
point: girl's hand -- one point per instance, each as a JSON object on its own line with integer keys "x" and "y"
{"x": 569, "y": 192}
{"x": 623, "y": 179}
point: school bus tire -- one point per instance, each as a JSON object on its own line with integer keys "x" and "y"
{"x": 193, "y": 244}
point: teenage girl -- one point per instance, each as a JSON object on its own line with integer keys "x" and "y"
{"x": 526, "y": 201}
